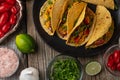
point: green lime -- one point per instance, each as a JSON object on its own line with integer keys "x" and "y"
{"x": 93, "y": 68}
{"x": 25, "y": 43}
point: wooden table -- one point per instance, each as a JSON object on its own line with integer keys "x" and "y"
{"x": 41, "y": 58}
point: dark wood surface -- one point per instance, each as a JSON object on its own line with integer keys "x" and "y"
{"x": 44, "y": 54}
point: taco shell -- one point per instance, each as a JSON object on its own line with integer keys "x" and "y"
{"x": 80, "y": 35}
{"x": 102, "y": 24}
{"x": 57, "y": 12}
{"x": 45, "y": 18}
{"x": 69, "y": 18}
{"x": 107, "y": 3}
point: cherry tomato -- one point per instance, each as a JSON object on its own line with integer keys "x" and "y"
{"x": 11, "y": 1}
{"x": 113, "y": 67}
{"x": 110, "y": 57}
{"x": 2, "y": 1}
{"x": 13, "y": 19}
{"x": 14, "y": 10}
{"x": 6, "y": 27}
{"x": 110, "y": 63}
{"x": 118, "y": 66}
{"x": 3, "y": 19}
{"x": 4, "y": 7}
{"x": 116, "y": 56}
{"x": 87, "y": 20}
{"x": 1, "y": 34}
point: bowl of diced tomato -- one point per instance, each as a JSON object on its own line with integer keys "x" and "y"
{"x": 10, "y": 15}
{"x": 112, "y": 59}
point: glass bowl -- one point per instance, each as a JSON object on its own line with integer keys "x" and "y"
{"x": 108, "y": 52}
{"x": 60, "y": 58}
{"x": 9, "y": 62}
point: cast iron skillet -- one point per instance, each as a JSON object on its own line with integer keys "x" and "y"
{"x": 59, "y": 45}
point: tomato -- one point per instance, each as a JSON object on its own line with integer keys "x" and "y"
{"x": 87, "y": 20}
{"x": 13, "y": 19}
{"x": 110, "y": 63}
{"x": 2, "y": 1}
{"x": 116, "y": 56}
{"x": 100, "y": 41}
{"x": 3, "y": 18}
{"x": 77, "y": 39}
{"x": 110, "y": 57}
{"x": 87, "y": 31}
{"x": 5, "y": 7}
{"x": 1, "y": 34}
{"x": 11, "y": 1}
{"x": 14, "y": 10}
{"x": 6, "y": 27}
{"x": 113, "y": 67}
{"x": 118, "y": 66}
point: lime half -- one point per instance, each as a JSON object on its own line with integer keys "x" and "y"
{"x": 93, "y": 68}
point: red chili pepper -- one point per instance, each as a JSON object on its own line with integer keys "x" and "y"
{"x": 13, "y": 19}
{"x": 11, "y": 1}
{"x": 3, "y": 19}
{"x": 14, "y": 10}
{"x": 4, "y": 7}
{"x": 6, "y": 27}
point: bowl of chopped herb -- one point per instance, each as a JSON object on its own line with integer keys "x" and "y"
{"x": 64, "y": 67}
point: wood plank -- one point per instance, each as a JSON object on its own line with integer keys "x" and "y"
{"x": 10, "y": 42}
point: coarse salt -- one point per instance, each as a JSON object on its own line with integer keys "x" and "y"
{"x": 8, "y": 62}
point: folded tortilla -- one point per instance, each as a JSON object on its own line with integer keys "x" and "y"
{"x": 83, "y": 28}
{"x": 104, "y": 39}
{"x": 102, "y": 24}
{"x": 107, "y": 3}
{"x": 45, "y": 17}
{"x": 69, "y": 18}
{"x": 58, "y": 11}
{"x": 51, "y": 13}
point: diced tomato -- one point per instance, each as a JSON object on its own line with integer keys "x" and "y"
{"x": 77, "y": 39}
{"x": 100, "y": 41}
{"x": 87, "y": 20}
{"x": 86, "y": 31}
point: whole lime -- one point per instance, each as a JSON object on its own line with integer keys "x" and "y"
{"x": 25, "y": 43}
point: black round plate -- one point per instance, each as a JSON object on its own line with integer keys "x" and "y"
{"x": 59, "y": 45}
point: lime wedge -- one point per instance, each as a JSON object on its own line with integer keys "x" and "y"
{"x": 93, "y": 68}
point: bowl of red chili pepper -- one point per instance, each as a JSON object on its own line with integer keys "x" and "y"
{"x": 10, "y": 15}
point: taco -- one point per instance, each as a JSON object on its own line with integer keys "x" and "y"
{"x": 107, "y": 3}
{"x": 58, "y": 11}
{"x": 104, "y": 27}
{"x": 50, "y": 14}
{"x": 83, "y": 28}
{"x": 45, "y": 17}
{"x": 69, "y": 18}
